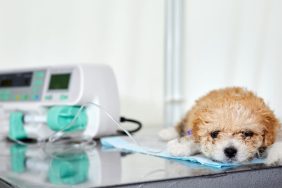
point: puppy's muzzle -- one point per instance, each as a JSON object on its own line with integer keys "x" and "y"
{"x": 230, "y": 152}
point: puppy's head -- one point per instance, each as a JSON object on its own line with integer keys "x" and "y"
{"x": 234, "y": 130}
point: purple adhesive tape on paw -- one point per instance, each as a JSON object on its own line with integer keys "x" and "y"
{"x": 189, "y": 132}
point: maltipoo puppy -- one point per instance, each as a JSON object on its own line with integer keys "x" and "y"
{"x": 227, "y": 125}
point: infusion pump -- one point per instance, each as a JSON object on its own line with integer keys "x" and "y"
{"x": 37, "y": 101}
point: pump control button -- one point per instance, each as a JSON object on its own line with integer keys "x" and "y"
{"x": 17, "y": 97}
{"x": 48, "y": 97}
{"x": 36, "y": 97}
{"x": 39, "y": 74}
{"x": 63, "y": 97}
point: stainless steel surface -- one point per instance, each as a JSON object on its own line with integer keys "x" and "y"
{"x": 62, "y": 166}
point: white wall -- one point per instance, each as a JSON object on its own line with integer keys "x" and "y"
{"x": 234, "y": 42}
{"x": 126, "y": 34}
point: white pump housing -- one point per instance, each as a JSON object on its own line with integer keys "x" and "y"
{"x": 33, "y": 90}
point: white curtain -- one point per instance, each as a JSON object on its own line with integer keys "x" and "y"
{"x": 233, "y": 43}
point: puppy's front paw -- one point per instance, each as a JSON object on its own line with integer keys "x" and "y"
{"x": 274, "y": 154}
{"x": 181, "y": 147}
{"x": 168, "y": 134}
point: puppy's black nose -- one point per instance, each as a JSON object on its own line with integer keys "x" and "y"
{"x": 230, "y": 152}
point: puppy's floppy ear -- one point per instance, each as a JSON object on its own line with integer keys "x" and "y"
{"x": 195, "y": 128}
{"x": 271, "y": 125}
{"x": 197, "y": 120}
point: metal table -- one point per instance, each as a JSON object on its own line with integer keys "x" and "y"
{"x": 29, "y": 166}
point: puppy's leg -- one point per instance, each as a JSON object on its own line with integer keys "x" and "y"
{"x": 274, "y": 154}
{"x": 182, "y": 147}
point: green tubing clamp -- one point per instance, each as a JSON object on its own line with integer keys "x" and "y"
{"x": 59, "y": 118}
{"x": 16, "y": 129}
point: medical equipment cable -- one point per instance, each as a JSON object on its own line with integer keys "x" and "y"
{"x": 124, "y": 119}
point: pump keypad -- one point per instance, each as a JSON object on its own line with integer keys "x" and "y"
{"x": 22, "y": 86}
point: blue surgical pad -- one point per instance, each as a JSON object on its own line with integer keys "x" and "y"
{"x": 121, "y": 143}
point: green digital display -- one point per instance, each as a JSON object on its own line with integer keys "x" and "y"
{"x": 59, "y": 81}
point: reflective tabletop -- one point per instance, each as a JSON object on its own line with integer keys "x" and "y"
{"x": 95, "y": 166}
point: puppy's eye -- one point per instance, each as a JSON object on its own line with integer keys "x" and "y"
{"x": 248, "y": 134}
{"x": 214, "y": 134}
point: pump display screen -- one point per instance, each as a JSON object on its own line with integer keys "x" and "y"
{"x": 22, "y": 79}
{"x": 59, "y": 81}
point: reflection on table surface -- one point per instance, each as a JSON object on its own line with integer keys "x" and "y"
{"x": 62, "y": 166}
{"x": 27, "y": 166}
